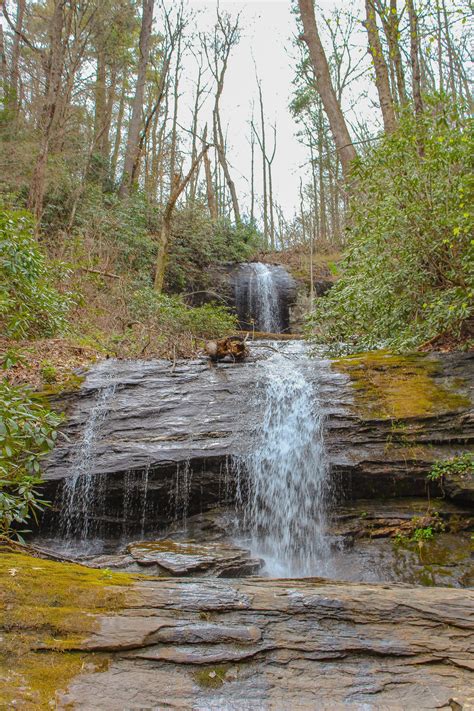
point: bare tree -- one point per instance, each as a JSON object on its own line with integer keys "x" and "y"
{"x": 252, "y": 170}
{"x": 179, "y": 185}
{"x": 201, "y": 89}
{"x": 269, "y": 159}
{"x": 14, "y": 92}
{"x": 382, "y": 80}
{"x": 50, "y": 108}
{"x": 325, "y": 87}
{"x": 211, "y": 197}
{"x": 391, "y": 25}
{"x": 137, "y": 103}
{"x": 226, "y": 36}
{"x": 415, "y": 58}
{"x": 262, "y": 143}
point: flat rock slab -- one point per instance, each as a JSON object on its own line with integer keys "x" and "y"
{"x": 181, "y": 558}
{"x": 167, "y": 556}
{"x": 282, "y": 644}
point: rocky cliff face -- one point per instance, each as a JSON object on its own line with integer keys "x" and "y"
{"x": 179, "y": 429}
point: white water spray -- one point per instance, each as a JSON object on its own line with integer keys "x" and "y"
{"x": 286, "y": 471}
{"x": 264, "y": 298}
{"x": 81, "y": 488}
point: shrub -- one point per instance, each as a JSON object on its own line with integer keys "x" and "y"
{"x": 30, "y": 305}
{"x": 199, "y": 243}
{"x": 407, "y": 276}
{"x": 164, "y": 326}
{"x": 461, "y": 465}
{"x": 120, "y": 231}
{"x": 171, "y": 316}
{"x": 27, "y": 433}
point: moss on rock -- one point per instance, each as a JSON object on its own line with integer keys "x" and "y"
{"x": 389, "y": 386}
{"x": 46, "y": 608}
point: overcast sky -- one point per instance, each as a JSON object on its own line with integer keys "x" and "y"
{"x": 268, "y": 30}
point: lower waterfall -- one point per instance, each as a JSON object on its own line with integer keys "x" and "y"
{"x": 283, "y": 492}
{"x": 287, "y": 491}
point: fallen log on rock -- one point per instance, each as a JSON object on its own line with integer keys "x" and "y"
{"x": 233, "y": 346}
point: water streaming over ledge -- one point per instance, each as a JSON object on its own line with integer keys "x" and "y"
{"x": 81, "y": 490}
{"x": 286, "y": 472}
{"x": 263, "y": 293}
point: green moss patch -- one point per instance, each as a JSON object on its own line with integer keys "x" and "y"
{"x": 47, "y": 607}
{"x": 211, "y": 677}
{"x": 389, "y": 386}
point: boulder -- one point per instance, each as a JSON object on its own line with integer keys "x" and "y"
{"x": 460, "y": 487}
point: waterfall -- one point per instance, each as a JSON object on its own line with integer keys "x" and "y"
{"x": 286, "y": 472}
{"x": 264, "y": 298}
{"x": 263, "y": 294}
{"x": 82, "y": 488}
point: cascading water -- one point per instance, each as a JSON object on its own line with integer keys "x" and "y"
{"x": 82, "y": 488}
{"x": 286, "y": 473}
{"x": 263, "y": 294}
{"x": 264, "y": 298}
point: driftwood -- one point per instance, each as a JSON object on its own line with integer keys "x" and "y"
{"x": 234, "y": 347}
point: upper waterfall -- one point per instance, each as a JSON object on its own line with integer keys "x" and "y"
{"x": 263, "y": 296}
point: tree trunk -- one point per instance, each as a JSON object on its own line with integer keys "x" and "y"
{"x": 450, "y": 52}
{"x": 50, "y": 109}
{"x": 137, "y": 104}
{"x": 211, "y": 197}
{"x": 325, "y": 87}
{"x": 270, "y": 192}
{"x": 221, "y": 154}
{"x": 100, "y": 141}
{"x": 118, "y": 128}
{"x": 382, "y": 81}
{"x": 440, "y": 47}
{"x": 252, "y": 173}
{"x": 111, "y": 96}
{"x": 264, "y": 166}
{"x": 3, "y": 61}
{"x": 194, "y": 128}
{"x": 225, "y": 37}
{"x": 174, "y": 134}
{"x": 15, "y": 60}
{"x": 322, "y": 188}
{"x": 165, "y": 232}
{"x": 415, "y": 59}
{"x": 390, "y": 21}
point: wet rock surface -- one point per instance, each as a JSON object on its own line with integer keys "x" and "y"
{"x": 170, "y": 557}
{"x": 412, "y": 541}
{"x": 280, "y": 644}
{"x": 179, "y": 430}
